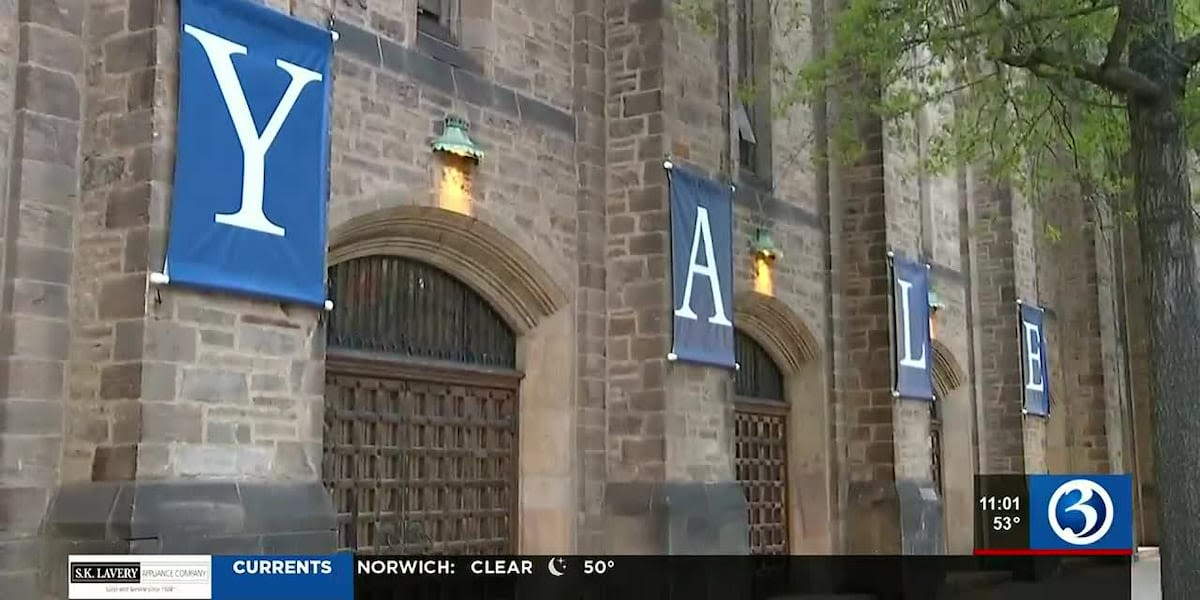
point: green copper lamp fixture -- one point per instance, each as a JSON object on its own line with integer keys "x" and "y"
{"x": 764, "y": 246}
{"x": 935, "y": 303}
{"x": 454, "y": 140}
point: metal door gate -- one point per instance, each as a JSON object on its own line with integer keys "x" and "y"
{"x": 421, "y": 413}
{"x": 760, "y": 437}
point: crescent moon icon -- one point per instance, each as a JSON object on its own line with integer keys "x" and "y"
{"x": 553, "y": 567}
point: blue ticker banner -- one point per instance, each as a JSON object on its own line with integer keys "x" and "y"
{"x": 702, "y": 269}
{"x": 1053, "y": 515}
{"x": 329, "y": 577}
{"x": 390, "y": 577}
{"x": 248, "y": 215}
{"x": 911, "y": 341}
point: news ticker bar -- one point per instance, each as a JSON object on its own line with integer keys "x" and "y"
{"x": 345, "y": 576}
{"x": 1053, "y": 515}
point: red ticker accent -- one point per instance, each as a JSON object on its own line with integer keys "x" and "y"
{"x": 1041, "y": 552}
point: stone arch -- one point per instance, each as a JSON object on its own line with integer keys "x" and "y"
{"x": 777, "y": 328}
{"x": 791, "y": 345}
{"x": 477, "y": 253}
{"x": 538, "y": 309}
{"x": 947, "y": 374}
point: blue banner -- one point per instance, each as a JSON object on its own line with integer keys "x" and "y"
{"x": 328, "y": 577}
{"x": 913, "y": 348}
{"x": 1034, "y": 373}
{"x": 252, "y": 156}
{"x": 702, "y": 269}
{"x": 1081, "y": 513}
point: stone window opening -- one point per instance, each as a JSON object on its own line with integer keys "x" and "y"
{"x": 752, "y": 96}
{"x": 439, "y": 19}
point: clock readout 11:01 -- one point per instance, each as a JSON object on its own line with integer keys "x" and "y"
{"x": 1003, "y": 503}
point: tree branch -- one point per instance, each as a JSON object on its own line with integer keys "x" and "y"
{"x": 1189, "y": 50}
{"x": 1117, "y": 79}
{"x": 1119, "y": 40}
{"x": 967, "y": 30}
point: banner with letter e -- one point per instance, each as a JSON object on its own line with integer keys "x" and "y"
{"x": 248, "y": 214}
{"x": 1034, "y": 373}
{"x": 912, "y": 346}
{"x": 701, "y": 269}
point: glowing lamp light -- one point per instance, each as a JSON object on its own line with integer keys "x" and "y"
{"x": 764, "y": 282}
{"x": 935, "y": 304}
{"x": 765, "y": 254}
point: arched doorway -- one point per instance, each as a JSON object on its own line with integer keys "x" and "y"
{"x": 760, "y": 445}
{"x": 421, "y": 412}
{"x": 952, "y": 449}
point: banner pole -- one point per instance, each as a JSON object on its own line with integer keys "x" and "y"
{"x": 891, "y": 321}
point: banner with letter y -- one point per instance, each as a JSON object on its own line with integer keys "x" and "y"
{"x": 248, "y": 214}
{"x": 701, "y": 269}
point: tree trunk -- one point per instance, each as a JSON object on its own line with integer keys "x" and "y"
{"x": 1166, "y": 224}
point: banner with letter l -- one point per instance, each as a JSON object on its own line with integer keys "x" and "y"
{"x": 911, "y": 343}
{"x": 701, "y": 269}
{"x": 248, "y": 214}
{"x": 1034, "y": 372}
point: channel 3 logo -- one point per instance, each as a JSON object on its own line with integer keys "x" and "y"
{"x": 1081, "y": 512}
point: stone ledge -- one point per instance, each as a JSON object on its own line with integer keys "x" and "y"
{"x": 895, "y": 517}
{"x": 160, "y": 509}
{"x": 186, "y": 517}
{"x": 452, "y": 76}
{"x": 681, "y": 517}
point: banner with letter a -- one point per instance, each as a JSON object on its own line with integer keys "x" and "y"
{"x": 1034, "y": 372}
{"x": 701, "y": 269}
{"x": 252, "y": 158}
{"x": 911, "y": 343}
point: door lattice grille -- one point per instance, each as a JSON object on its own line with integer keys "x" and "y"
{"x": 420, "y": 466}
{"x": 760, "y": 445}
{"x": 404, "y": 308}
{"x": 760, "y": 461}
{"x": 757, "y": 375}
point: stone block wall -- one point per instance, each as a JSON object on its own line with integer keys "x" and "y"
{"x": 590, "y": 70}
{"x": 42, "y": 83}
{"x": 637, "y": 276}
{"x": 111, "y": 389}
{"x": 696, "y": 106}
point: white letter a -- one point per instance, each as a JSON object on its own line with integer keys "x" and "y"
{"x": 709, "y": 270}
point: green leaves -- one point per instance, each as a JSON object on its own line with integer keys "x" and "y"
{"x": 1032, "y": 91}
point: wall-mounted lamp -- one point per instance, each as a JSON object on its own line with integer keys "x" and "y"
{"x": 765, "y": 255}
{"x": 764, "y": 247}
{"x": 935, "y": 305}
{"x": 454, "y": 140}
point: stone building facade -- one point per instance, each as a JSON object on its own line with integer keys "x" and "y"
{"x": 157, "y": 419}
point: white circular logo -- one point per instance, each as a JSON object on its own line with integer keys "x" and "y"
{"x": 1095, "y": 525}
